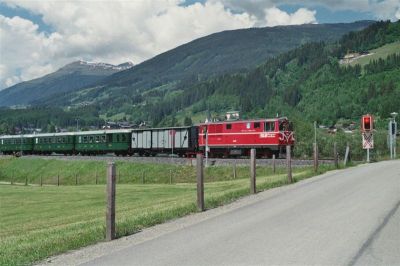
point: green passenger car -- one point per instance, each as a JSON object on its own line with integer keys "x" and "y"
{"x": 54, "y": 142}
{"x": 16, "y": 144}
{"x": 103, "y": 141}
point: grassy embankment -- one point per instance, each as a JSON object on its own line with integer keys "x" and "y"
{"x": 37, "y": 222}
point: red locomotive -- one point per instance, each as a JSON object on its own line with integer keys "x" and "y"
{"x": 236, "y": 138}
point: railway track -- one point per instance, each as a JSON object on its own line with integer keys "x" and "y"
{"x": 178, "y": 160}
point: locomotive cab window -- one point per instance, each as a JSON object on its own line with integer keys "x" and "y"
{"x": 269, "y": 126}
{"x": 228, "y": 126}
{"x": 285, "y": 126}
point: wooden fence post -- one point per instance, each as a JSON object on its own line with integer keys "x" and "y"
{"x": 200, "y": 182}
{"x": 315, "y": 153}
{"x": 58, "y": 179}
{"x": 76, "y": 179}
{"x": 143, "y": 179}
{"x": 289, "y": 163}
{"x": 273, "y": 164}
{"x": 170, "y": 176}
{"x": 335, "y": 155}
{"x": 41, "y": 180}
{"x": 234, "y": 169}
{"x": 26, "y": 180}
{"x": 253, "y": 188}
{"x": 95, "y": 176}
{"x": 12, "y": 178}
{"x": 110, "y": 213}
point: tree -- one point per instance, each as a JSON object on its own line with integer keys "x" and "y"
{"x": 187, "y": 121}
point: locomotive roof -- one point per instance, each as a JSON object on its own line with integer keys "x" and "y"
{"x": 245, "y": 121}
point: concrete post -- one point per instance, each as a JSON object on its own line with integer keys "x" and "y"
{"x": 110, "y": 213}
{"x": 346, "y": 155}
{"x": 200, "y": 182}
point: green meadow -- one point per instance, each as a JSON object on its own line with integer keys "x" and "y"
{"x": 40, "y": 221}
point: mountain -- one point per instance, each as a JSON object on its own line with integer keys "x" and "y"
{"x": 69, "y": 78}
{"x": 309, "y": 82}
{"x": 216, "y": 54}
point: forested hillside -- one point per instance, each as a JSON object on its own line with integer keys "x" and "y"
{"x": 308, "y": 80}
{"x": 210, "y": 56}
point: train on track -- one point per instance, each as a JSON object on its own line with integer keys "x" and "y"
{"x": 220, "y": 139}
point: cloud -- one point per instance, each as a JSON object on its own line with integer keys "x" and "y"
{"x": 274, "y": 16}
{"x": 108, "y": 31}
{"x": 23, "y": 51}
{"x": 381, "y": 9}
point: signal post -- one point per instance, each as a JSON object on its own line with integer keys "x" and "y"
{"x": 367, "y": 122}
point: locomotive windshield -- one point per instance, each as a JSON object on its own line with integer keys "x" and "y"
{"x": 285, "y": 125}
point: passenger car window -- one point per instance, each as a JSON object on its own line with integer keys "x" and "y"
{"x": 248, "y": 125}
{"x": 257, "y": 125}
{"x": 228, "y": 126}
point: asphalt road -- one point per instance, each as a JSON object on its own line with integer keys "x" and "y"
{"x": 347, "y": 217}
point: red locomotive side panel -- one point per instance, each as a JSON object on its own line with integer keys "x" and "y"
{"x": 266, "y": 135}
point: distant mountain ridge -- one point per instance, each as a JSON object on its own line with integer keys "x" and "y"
{"x": 216, "y": 54}
{"x": 68, "y": 78}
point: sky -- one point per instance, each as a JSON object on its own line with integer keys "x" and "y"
{"x": 38, "y": 37}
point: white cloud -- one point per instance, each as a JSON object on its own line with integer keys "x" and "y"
{"x": 274, "y": 16}
{"x": 119, "y": 31}
{"x": 23, "y": 51}
{"x": 108, "y": 31}
{"x": 381, "y": 9}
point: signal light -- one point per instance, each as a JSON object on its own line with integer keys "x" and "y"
{"x": 367, "y": 123}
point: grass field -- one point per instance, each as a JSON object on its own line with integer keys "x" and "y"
{"x": 37, "y": 222}
{"x": 381, "y": 52}
{"x": 18, "y": 169}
